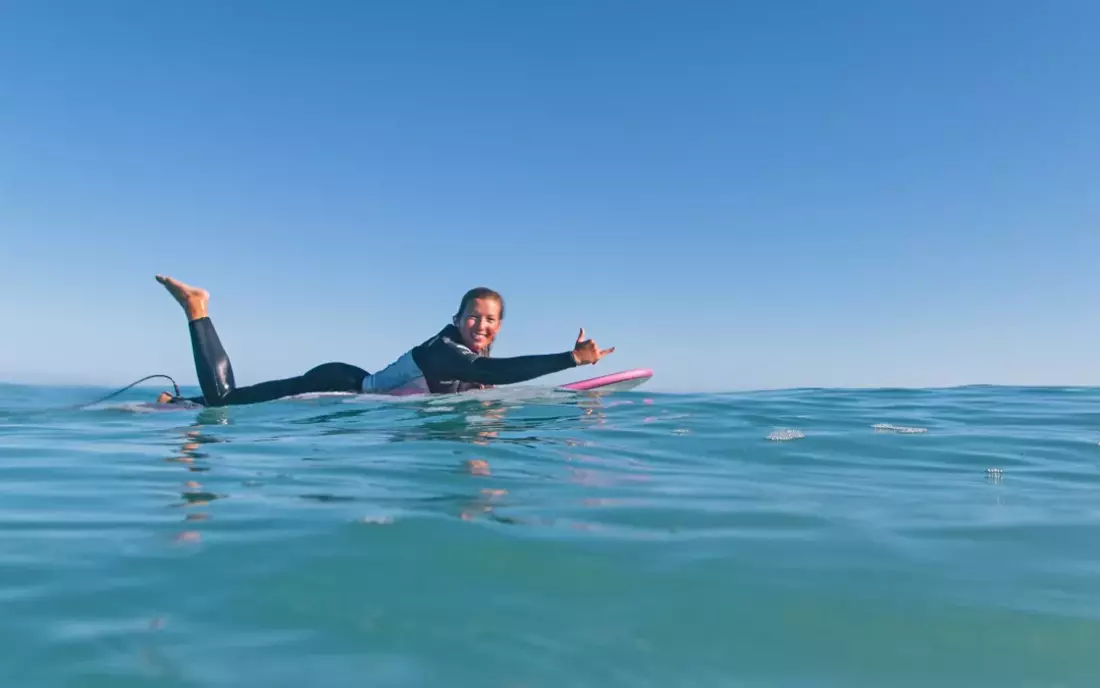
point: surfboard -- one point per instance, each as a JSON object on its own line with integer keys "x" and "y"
{"x": 614, "y": 382}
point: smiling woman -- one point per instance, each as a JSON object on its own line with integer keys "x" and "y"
{"x": 455, "y": 359}
{"x": 478, "y": 318}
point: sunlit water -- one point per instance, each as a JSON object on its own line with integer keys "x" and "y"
{"x": 531, "y": 538}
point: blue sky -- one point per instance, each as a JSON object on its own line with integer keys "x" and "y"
{"x": 738, "y": 195}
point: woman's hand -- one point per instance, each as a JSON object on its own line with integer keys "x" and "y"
{"x": 586, "y": 350}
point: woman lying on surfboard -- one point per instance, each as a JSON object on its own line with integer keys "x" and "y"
{"x": 456, "y": 359}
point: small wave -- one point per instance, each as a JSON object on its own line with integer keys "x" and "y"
{"x": 897, "y": 429}
{"x": 145, "y": 407}
{"x": 377, "y": 519}
{"x": 785, "y": 435}
{"x": 306, "y": 396}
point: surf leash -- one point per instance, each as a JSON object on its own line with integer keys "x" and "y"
{"x": 114, "y": 394}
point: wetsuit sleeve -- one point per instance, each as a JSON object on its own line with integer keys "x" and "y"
{"x": 443, "y": 359}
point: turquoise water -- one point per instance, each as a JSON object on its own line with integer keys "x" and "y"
{"x": 529, "y": 538}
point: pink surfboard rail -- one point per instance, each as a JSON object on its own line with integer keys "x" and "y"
{"x": 625, "y": 379}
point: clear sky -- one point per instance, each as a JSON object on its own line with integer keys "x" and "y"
{"x": 738, "y": 195}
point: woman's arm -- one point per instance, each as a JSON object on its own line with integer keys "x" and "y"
{"x": 445, "y": 359}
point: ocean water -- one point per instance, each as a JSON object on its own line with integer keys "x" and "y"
{"x": 523, "y": 538}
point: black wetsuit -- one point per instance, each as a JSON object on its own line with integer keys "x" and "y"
{"x": 442, "y": 364}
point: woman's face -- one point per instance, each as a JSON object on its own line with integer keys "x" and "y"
{"x": 479, "y": 323}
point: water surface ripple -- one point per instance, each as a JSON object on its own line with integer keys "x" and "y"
{"x": 530, "y": 538}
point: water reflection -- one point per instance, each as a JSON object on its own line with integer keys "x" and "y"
{"x": 475, "y": 425}
{"x": 194, "y": 496}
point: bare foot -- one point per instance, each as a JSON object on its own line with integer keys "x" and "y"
{"x": 192, "y": 299}
{"x": 164, "y": 398}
